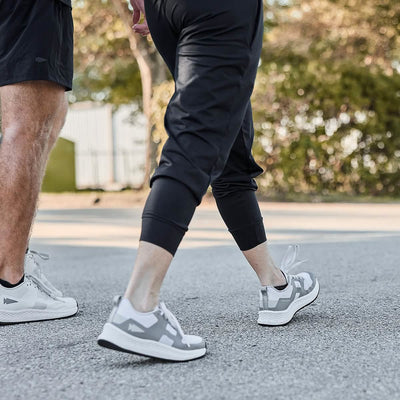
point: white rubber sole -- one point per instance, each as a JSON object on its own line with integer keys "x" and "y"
{"x": 31, "y": 315}
{"x": 276, "y": 318}
{"x": 114, "y": 338}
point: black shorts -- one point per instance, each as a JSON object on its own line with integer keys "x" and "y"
{"x": 36, "y": 42}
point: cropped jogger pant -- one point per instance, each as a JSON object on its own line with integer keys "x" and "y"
{"x": 212, "y": 48}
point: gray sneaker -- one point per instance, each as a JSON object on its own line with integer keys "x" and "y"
{"x": 278, "y": 307}
{"x": 154, "y": 334}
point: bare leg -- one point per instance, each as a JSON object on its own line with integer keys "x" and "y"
{"x": 152, "y": 263}
{"x": 264, "y": 266}
{"x": 32, "y": 116}
{"x": 150, "y": 268}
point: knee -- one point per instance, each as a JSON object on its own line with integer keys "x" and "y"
{"x": 40, "y": 130}
{"x": 28, "y": 130}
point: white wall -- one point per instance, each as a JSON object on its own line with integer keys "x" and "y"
{"x": 109, "y": 148}
{"x": 129, "y": 146}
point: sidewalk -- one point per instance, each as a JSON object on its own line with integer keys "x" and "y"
{"x": 119, "y": 218}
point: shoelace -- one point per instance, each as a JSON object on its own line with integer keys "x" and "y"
{"x": 173, "y": 321}
{"x": 33, "y": 278}
{"x": 289, "y": 260}
{"x": 43, "y": 256}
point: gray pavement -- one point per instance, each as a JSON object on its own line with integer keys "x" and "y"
{"x": 344, "y": 346}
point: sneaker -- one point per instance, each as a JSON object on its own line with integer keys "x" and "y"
{"x": 33, "y": 269}
{"x": 154, "y": 334}
{"x": 278, "y": 307}
{"x": 29, "y": 302}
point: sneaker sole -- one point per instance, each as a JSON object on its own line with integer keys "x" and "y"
{"x": 115, "y": 339}
{"x": 278, "y": 318}
{"x": 23, "y": 316}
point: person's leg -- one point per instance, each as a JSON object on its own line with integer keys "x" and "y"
{"x": 281, "y": 294}
{"x": 263, "y": 265}
{"x": 153, "y": 259}
{"x": 234, "y": 192}
{"x": 151, "y": 265}
{"x": 36, "y": 68}
{"x": 200, "y": 137}
{"x": 32, "y": 115}
{"x": 217, "y": 52}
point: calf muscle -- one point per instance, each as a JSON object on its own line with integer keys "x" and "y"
{"x": 32, "y": 115}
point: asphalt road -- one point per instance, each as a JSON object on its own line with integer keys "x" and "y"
{"x": 344, "y": 346}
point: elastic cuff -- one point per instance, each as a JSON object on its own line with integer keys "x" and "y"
{"x": 162, "y": 234}
{"x": 249, "y": 236}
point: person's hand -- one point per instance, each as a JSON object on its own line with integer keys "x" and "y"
{"x": 138, "y": 10}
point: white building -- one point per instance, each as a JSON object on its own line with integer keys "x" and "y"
{"x": 110, "y": 148}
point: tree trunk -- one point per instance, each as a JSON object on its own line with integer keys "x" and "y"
{"x": 152, "y": 71}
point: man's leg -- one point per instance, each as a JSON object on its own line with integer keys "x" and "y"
{"x": 32, "y": 115}
{"x": 36, "y": 67}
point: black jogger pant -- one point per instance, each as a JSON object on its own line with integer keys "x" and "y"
{"x": 212, "y": 49}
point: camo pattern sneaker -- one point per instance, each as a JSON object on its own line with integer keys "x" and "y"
{"x": 33, "y": 269}
{"x": 278, "y": 307}
{"x": 154, "y": 334}
{"x": 29, "y": 302}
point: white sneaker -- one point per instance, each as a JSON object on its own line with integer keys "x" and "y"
{"x": 155, "y": 334}
{"x": 29, "y": 302}
{"x": 278, "y": 307}
{"x": 32, "y": 268}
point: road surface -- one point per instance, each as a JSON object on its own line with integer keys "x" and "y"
{"x": 344, "y": 346}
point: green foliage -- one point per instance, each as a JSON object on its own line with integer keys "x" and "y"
{"x": 327, "y": 100}
{"x": 105, "y": 69}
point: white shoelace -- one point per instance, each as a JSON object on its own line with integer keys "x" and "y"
{"x": 174, "y": 322}
{"x": 38, "y": 270}
{"x": 31, "y": 254}
{"x": 289, "y": 260}
{"x": 43, "y": 256}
